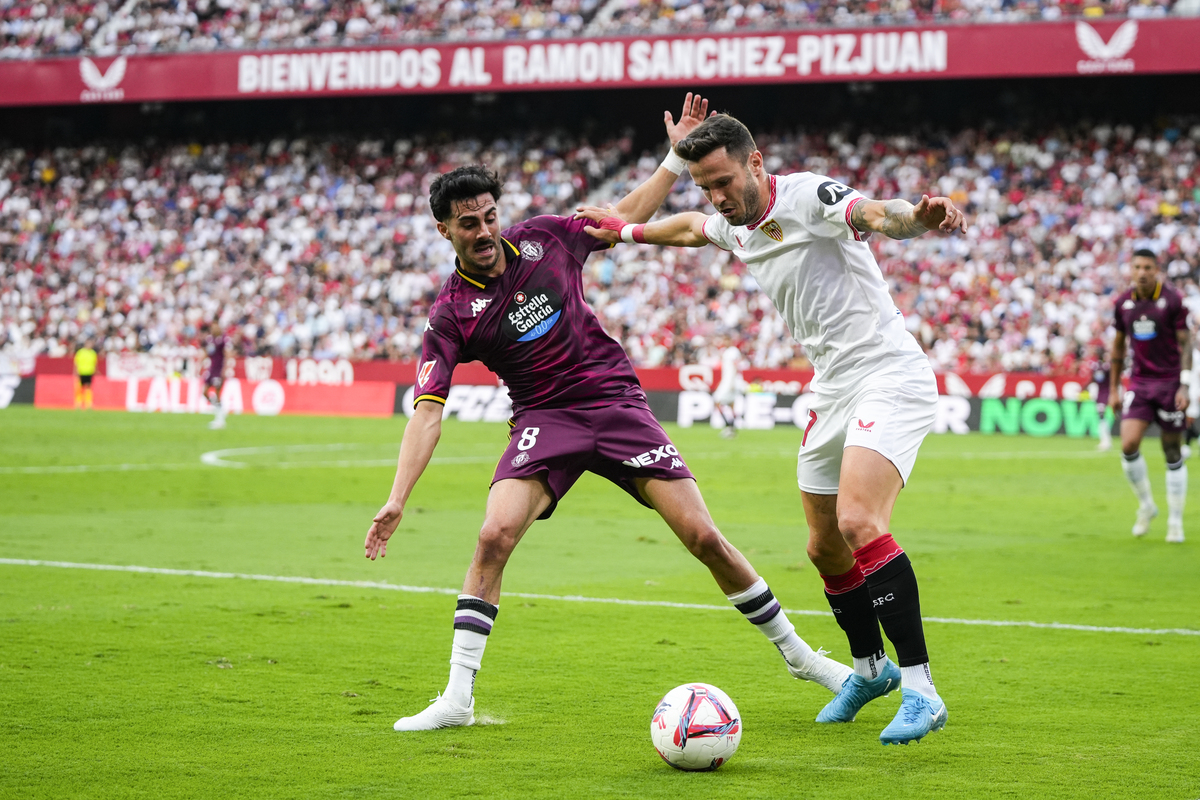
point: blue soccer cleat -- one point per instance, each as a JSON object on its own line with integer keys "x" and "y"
{"x": 856, "y": 692}
{"x": 918, "y": 715}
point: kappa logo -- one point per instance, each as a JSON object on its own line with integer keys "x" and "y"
{"x": 1128, "y": 304}
{"x": 1162, "y": 302}
{"x": 676, "y": 463}
{"x": 102, "y": 86}
{"x": 771, "y": 228}
{"x": 425, "y": 371}
{"x": 429, "y": 324}
{"x": 653, "y": 457}
{"x": 478, "y": 305}
{"x": 532, "y": 250}
{"x": 1106, "y": 57}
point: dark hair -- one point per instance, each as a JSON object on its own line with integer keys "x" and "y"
{"x": 715, "y": 133}
{"x": 461, "y": 184}
{"x": 1146, "y": 252}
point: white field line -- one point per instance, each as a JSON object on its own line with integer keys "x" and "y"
{"x": 568, "y": 598}
{"x": 228, "y": 459}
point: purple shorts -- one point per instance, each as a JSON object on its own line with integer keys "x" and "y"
{"x": 621, "y": 442}
{"x": 1153, "y": 401}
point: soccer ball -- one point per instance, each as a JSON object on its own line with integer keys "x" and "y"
{"x": 696, "y": 727}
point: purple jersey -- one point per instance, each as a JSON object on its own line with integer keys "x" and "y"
{"x": 1102, "y": 376}
{"x": 215, "y": 349}
{"x": 531, "y": 326}
{"x": 1151, "y": 326}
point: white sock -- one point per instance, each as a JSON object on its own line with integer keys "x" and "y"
{"x": 918, "y": 679}
{"x": 759, "y": 606}
{"x": 473, "y": 620}
{"x": 1177, "y": 482}
{"x": 869, "y": 667}
{"x": 1105, "y": 433}
{"x": 1135, "y": 473}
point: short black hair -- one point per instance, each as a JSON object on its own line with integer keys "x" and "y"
{"x": 462, "y": 183}
{"x": 1146, "y": 252}
{"x": 714, "y": 133}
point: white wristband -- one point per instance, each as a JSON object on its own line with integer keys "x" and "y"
{"x": 1185, "y": 377}
{"x": 627, "y": 234}
{"x": 674, "y": 163}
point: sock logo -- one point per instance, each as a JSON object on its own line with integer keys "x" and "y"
{"x": 886, "y": 598}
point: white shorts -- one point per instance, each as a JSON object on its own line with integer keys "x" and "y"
{"x": 889, "y": 414}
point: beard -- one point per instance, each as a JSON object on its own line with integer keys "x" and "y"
{"x": 750, "y": 198}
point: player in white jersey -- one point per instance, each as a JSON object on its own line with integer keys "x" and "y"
{"x": 802, "y": 237}
{"x": 725, "y": 395}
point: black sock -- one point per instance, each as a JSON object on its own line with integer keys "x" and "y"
{"x": 893, "y": 591}
{"x": 856, "y": 616}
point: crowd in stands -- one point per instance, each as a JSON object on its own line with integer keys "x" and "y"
{"x": 32, "y": 28}
{"x": 326, "y": 248}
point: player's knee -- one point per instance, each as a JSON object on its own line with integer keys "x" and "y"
{"x": 706, "y": 543}
{"x": 496, "y": 542}
{"x": 826, "y": 557}
{"x": 858, "y": 527}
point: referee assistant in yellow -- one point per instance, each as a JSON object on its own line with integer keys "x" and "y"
{"x": 85, "y": 369}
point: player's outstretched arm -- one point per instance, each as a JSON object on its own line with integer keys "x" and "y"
{"x": 641, "y": 204}
{"x": 900, "y": 219}
{"x": 420, "y": 438}
{"x": 678, "y": 230}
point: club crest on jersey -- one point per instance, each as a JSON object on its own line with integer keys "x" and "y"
{"x": 532, "y": 250}
{"x": 771, "y": 228}
{"x": 425, "y": 371}
{"x": 531, "y": 314}
{"x": 831, "y": 192}
{"x": 519, "y": 459}
{"x": 1144, "y": 329}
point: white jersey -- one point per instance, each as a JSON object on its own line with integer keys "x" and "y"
{"x": 819, "y": 272}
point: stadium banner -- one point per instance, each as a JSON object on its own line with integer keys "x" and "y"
{"x": 343, "y": 372}
{"x": 757, "y": 410}
{"x": 1032, "y": 49}
{"x": 183, "y": 395}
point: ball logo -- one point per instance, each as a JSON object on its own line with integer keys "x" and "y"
{"x": 831, "y": 192}
{"x": 1106, "y": 56}
{"x": 532, "y": 250}
{"x": 425, "y": 371}
{"x": 102, "y": 86}
{"x": 531, "y": 314}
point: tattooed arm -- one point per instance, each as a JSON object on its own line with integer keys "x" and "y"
{"x": 900, "y": 219}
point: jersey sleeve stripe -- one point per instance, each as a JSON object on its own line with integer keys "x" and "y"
{"x": 849, "y": 224}
{"x": 704, "y": 230}
{"x": 432, "y": 397}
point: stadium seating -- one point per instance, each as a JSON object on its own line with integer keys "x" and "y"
{"x": 31, "y": 28}
{"x": 326, "y": 247}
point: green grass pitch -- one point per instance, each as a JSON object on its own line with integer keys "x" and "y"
{"x": 118, "y": 684}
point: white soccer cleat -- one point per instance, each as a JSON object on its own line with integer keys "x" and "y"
{"x": 1185, "y": 452}
{"x": 1105, "y": 445}
{"x": 1145, "y": 515}
{"x": 1175, "y": 532}
{"x": 216, "y": 425}
{"x": 442, "y": 713}
{"x": 825, "y": 671}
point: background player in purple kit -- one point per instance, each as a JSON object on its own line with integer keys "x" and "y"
{"x": 1152, "y": 313}
{"x": 1101, "y": 377}
{"x": 214, "y": 373}
{"x": 515, "y": 302}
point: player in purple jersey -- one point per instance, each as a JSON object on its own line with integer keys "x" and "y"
{"x": 214, "y": 373}
{"x": 1101, "y": 379}
{"x": 1152, "y": 314}
{"x": 515, "y": 302}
